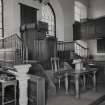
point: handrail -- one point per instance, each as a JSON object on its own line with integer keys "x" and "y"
{"x": 18, "y": 37}
{"x": 72, "y": 42}
{"x": 63, "y": 42}
{"x": 81, "y": 45}
{"x": 71, "y": 47}
{"x": 11, "y": 36}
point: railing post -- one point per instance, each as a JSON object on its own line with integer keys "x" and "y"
{"x": 26, "y": 53}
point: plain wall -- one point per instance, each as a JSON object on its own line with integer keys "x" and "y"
{"x": 85, "y": 2}
{"x": 96, "y": 8}
{"x": 68, "y": 10}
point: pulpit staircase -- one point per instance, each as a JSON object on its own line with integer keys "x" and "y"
{"x": 12, "y": 51}
{"x": 67, "y": 51}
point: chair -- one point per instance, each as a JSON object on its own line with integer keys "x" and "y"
{"x": 55, "y": 64}
{"x": 67, "y": 66}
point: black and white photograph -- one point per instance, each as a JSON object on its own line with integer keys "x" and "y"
{"x": 52, "y": 52}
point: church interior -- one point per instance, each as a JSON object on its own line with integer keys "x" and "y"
{"x": 52, "y": 52}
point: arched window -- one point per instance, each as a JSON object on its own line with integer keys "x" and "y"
{"x": 1, "y": 19}
{"x": 48, "y": 16}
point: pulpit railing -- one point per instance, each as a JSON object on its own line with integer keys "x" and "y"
{"x": 67, "y": 50}
{"x": 13, "y": 50}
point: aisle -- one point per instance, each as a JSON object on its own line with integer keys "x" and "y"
{"x": 87, "y": 98}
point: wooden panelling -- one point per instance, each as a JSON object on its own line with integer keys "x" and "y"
{"x": 36, "y": 91}
{"x": 91, "y": 29}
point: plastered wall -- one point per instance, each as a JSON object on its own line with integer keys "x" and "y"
{"x": 96, "y": 8}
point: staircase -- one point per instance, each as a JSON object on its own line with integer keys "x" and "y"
{"x": 67, "y": 51}
{"x": 12, "y": 51}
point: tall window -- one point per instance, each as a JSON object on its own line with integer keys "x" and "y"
{"x": 80, "y": 11}
{"x": 48, "y": 16}
{"x": 1, "y": 19}
{"x": 101, "y": 45}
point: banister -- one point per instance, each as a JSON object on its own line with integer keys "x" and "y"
{"x": 59, "y": 42}
{"x": 11, "y": 36}
{"x": 14, "y": 41}
{"x": 81, "y": 45}
{"x": 18, "y": 37}
{"x": 73, "y": 47}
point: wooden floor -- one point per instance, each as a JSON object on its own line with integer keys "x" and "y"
{"x": 88, "y": 97}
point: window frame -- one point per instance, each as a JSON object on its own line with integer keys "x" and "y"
{"x": 101, "y": 45}
{"x": 2, "y": 19}
{"x": 54, "y": 18}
